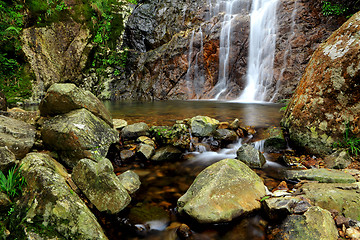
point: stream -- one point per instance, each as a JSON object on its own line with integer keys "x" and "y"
{"x": 152, "y": 212}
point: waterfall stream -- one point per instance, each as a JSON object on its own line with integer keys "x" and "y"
{"x": 261, "y": 50}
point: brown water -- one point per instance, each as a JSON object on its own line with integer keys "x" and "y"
{"x": 152, "y": 212}
{"x": 167, "y": 112}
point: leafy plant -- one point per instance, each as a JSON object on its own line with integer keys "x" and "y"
{"x": 351, "y": 143}
{"x": 329, "y": 8}
{"x": 13, "y": 183}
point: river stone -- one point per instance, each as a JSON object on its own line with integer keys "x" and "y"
{"x": 250, "y": 156}
{"x": 203, "y": 126}
{"x": 7, "y": 159}
{"x": 275, "y": 140}
{"x": 221, "y": 192}
{"x": 78, "y": 134}
{"x": 321, "y": 175}
{"x": 338, "y": 160}
{"x": 145, "y": 151}
{"x": 146, "y": 140}
{"x": 135, "y": 130}
{"x": 316, "y": 223}
{"x": 327, "y": 99}
{"x": 30, "y": 117}
{"x": 343, "y": 197}
{"x": 279, "y": 207}
{"x": 17, "y": 136}
{"x": 101, "y": 186}
{"x": 226, "y": 135}
{"x": 235, "y": 124}
{"x": 167, "y": 153}
{"x": 48, "y": 200}
{"x": 126, "y": 154}
{"x": 130, "y": 181}
{"x": 62, "y": 98}
{"x": 119, "y": 123}
{"x": 3, "y": 102}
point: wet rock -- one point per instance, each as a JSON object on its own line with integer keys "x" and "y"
{"x": 321, "y": 175}
{"x": 338, "y": 160}
{"x": 7, "y": 159}
{"x": 119, "y": 123}
{"x": 5, "y": 202}
{"x": 126, "y": 155}
{"x": 29, "y": 117}
{"x": 250, "y": 156}
{"x": 235, "y": 124}
{"x": 226, "y": 135}
{"x": 167, "y": 153}
{"x": 146, "y": 140}
{"x": 301, "y": 207}
{"x": 78, "y": 134}
{"x": 145, "y": 151}
{"x": 275, "y": 140}
{"x": 62, "y": 98}
{"x": 326, "y": 100}
{"x": 3, "y": 102}
{"x": 202, "y": 126}
{"x": 341, "y": 220}
{"x": 135, "y": 130}
{"x": 130, "y": 181}
{"x": 278, "y": 208}
{"x": 48, "y": 200}
{"x": 223, "y": 125}
{"x": 101, "y": 186}
{"x": 221, "y": 192}
{"x": 316, "y": 223}
{"x": 183, "y": 231}
{"x": 345, "y": 198}
{"x": 57, "y": 53}
{"x": 177, "y": 135}
{"x": 17, "y": 136}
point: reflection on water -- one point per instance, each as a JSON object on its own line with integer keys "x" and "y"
{"x": 167, "y": 112}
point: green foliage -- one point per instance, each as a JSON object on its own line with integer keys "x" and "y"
{"x": 284, "y": 101}
{"x": 351, "y": 143}
{"x": 13, "y": 183}
{"x": 340, "y": 7}
{"x": 46, "y": 11}
{"x": 329, "y": 8}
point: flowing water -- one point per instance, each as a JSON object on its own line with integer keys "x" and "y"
{"x": 152, "y": 212}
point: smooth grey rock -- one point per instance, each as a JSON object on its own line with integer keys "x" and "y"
{"x": 203, "y": 126}
{"x": 101, "y": 186}
{"x": 221, "y": 192}
{"x": 119, "y": 123}
{"x": 48, "y": 199}
{"x": 145, "y": 151}
{"x": 167, "y": 153}
{"x": 226, "y": 135}
{"x": 135, "y": 130}
{"x": 17, "y": 135}
{"x": 126, "y": 154}
{"x": 146, "y": 140}
{"x": 338, "y": 160}
{"x": 130, "y": 181}
{"x": 280, "y": 207}
{"x": 316, "y": 223}
{"x": 250, "y": 156}
{"x": 78, "y": 134}
{"x": 321, "y": 175}
{"x": 7, "y": 159}
{"x": 62, "y": 98}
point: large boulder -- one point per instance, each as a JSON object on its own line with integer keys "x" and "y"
{"x": 78, "y": 134}
{"x": 342, "y": 197}
{"x": 250, "y": 156}
{"x": 223, "y": 191}
{"x": 101, "y": 186}
{"x": 17, "y": 136}
{"x": 327, "y": 99}
{"x": 51, "y": 205}
{"x": 203, "y": 126}
{"x": 62, "y": 98}
{"x": 316, "y": 223}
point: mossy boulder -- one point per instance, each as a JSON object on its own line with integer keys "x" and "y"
{"x": 203, "y": 126}
{"x": 177, "y": 135}
{"x": 62, "y": 98}
{"x": 275, "y": 140}
{"x": 321, "y": 175}
{"x": 101, "y": 186}
{"x": 17, "y": 136}
{"x": 49, "y": 203}
{"x": 223, "y": 191}
{"x": 78, "y": 134}
{"x": 316, "y": 223}
{"x": 250, "y": 156}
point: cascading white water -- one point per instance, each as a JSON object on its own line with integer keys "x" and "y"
{"x": 262, "y": 40}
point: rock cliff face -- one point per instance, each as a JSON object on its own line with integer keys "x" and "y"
{"x": 175, "y": 46}
{"x": 326, "y": 101}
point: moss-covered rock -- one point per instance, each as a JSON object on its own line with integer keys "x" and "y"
{"x": 223, "y": 191}
{"x": 49, "y": 203}
{"x": 130, "y": 181}
{"x": 250, "y": 156}
{"x": 101, "y": 186}
{"x": 203, "y": 126}
{"x": 62, "y": 98}
{"x": 78, "y": 134}
{"x": 321, "y": 175}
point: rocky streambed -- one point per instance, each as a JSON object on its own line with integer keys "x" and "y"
{"x": 91, "y": 177}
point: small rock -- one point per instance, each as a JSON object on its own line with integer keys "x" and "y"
{"x": 119, "y": 123}
{"x": 341, "y": 220}
{"x": 338, "y": 160}
{"x": 145, "y": 151}
{"x": 353, "y": 233}
{"x": 135, "y": 130}
{"x": 223, "y": 125}
{"x": 235, "y": 124}
{"x": 126, "y": 155}
{"x": 167, "y": 153}
{"x": 130, "y": 180}
{"x": 184, "y": 232}
{"x": 146, "y": 140}
{"x": 226, "y": 135}
{"x": 202, "y": 126}
{"x": 301, "y": 207}
{"x": 251, "y": 156}
{"x": 276, "y": 141}
{"x": 278, "y": 208}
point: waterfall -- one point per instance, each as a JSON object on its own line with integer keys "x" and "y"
{"x": 262, "y": 42}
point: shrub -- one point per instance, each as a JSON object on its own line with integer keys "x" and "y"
{"x": 13, "y": 183}
{"x": 351, "y": 143}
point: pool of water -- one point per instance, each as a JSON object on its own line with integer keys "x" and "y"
{"x": 167, "y": 112}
